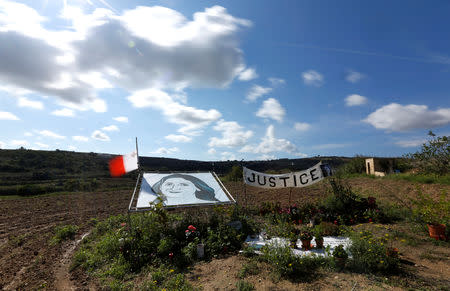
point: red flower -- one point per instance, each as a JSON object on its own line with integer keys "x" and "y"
{"x": 187, "y": 230}
{"x": 191, "y": 227}
{"x": 123, "y": 224}
{"x": 370, "y": 219}
{"x": 335, "y": 222}
{"x": 171, "y": 255}
{"x": 351, "y": 221}
{"x": 300, "y": 221}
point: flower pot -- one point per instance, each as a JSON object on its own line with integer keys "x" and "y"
{"x": 319, "y": 243}
{"x": 437, "y": 231}
{"x": 306, "y": 244}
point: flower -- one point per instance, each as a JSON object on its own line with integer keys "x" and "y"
{"x": 191, "y": 227}
{"x": 171, "y": 270}
{"x": 123, "y": 224}
{"x": 187, "y": 230}
{"x": 290, "y": 265}
{"x": 171, "y": 255}
{"x": 381, "y": 262}
{"x": 370, "y": 220}
{"x": 335, "y": 222}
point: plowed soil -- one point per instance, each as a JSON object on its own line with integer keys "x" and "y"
{"x": 28, "y": 261}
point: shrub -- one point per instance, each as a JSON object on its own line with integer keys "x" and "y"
{"x": 64, "y": 232}
{"x": 248, "y": 269}
{"x": 430, "y": 211}
{"x": 356, "y": 165}
{"x": 244, "y": 286}
{"x": 286, "y": 264}
{"x": 433, "y": 157}
{"x": 369, "y": 254}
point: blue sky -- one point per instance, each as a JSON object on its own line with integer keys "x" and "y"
{"x": 219, "y": 80}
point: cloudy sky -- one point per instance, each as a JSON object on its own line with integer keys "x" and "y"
{"x": 226, "y": 79}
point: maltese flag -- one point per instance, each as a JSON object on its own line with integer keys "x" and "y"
{"x": 123, "y": 164}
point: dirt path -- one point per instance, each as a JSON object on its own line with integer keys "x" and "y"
{"x": 27, "y": 261}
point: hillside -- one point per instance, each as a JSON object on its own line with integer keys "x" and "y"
{"x": 31, "y": 172}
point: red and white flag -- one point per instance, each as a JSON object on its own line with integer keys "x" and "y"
{"x": 123, "y": 164}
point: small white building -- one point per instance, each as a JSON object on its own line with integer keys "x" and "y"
{"x": 379, "y": 167}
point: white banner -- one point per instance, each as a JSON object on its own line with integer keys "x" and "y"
{"x": 180, "y": 189}
{"x": 294, "y": 179}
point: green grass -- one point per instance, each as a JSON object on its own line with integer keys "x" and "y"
{"x": 421, "y": 178}
{"x": 64, "y": 232}
{"x": 244, "y": 286}
{"x": 250, "y": 268}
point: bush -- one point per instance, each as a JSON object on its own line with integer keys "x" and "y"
{"x": 369, "y": 254}
{"x": 64, "y": 232}
{"x": 433, "y": 157}
{"x": 286, "y": 264}
{"x": 244, "y": 286}
{"x": 158, "y": 238}
{"x": 356, "y": 165}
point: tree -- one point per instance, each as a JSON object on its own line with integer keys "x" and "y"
{"x": 434, "y": 156}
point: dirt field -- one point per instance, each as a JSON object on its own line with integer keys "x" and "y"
{"x": 28, "y": 262}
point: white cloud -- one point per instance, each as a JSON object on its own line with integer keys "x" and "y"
{"x": 354, "y": 77}
{"x": 302, "y": 126}
{"x": 247, "y": 74}
{"x": 165, "y": 151}
{"x": 72, "y": 148}
{"x": 191, "y": 119}
{"x": 80, "y": 138}
{"x": 8, "y": 116}
{"x": 397, "y": 117}
{"x": 178, "y": 138}
{"x": 228, "y": 156}
{"x": 99, "y": 135}
{"x": 313, "y": 78}
{"x": 110, "y": 128}
{"x": 2, "y": 145}
{"x": 255, "y": 92}
{"x": 272, "y": 109}
{"x": 121, "y": 119}
{"x": 212, "y": 151}
{"x": 64, "y": 112}
{"x": 270, "y": 144}
{"x": 266, "y": 157}
{"x": 233, "y": 134}
{"x": 355, "y": 100}
{"x": 137, "y": 49}
{"x": 25, "y": 102}
{"x": 27, "y": 133}
{"x": 51, "y": 134}
{"x": 410, "y": 143}
{"x": 42, "y": 145}
{"x": 276, "y": 81}
{"x": 19, "y": 143}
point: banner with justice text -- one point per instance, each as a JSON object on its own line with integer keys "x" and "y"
{"x": 294, "y": 179}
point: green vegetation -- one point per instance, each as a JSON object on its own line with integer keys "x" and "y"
{"x": 64, "y": 232}
{"x": 428, "y": 210}
{"x": 370, "y": 254}
{"x": 244, "y": 286}
{"x": 117, "y": 252}
{"x": 250, "y": 268}
{"x": 433, "y": 157}
{"x": 356, "y": 165}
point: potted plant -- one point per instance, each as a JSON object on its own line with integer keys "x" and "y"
{"x": 306, "y": 237}
{"x": 340, "y": 256}
{"x": 318, "y": 237}
{"x": 434, "y": 213}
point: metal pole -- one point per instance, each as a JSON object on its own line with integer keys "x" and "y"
{"x": 290, "y": 194}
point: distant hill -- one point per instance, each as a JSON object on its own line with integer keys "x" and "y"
{"x": 30, "y": 172}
